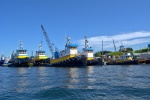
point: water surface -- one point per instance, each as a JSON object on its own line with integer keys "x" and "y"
{"x": 76, "y": 83}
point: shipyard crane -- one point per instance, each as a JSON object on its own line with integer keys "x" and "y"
{"x": 115, "y": 49}
{"x": 114, "y": 45}
{"x": 49, "y": 43}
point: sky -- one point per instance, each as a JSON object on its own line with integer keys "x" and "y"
{"x": 125, "y": 21}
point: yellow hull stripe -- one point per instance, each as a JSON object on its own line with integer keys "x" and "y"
{"x": 21, "y": 57}
{"x": 90, "y": 58}
{"x": 129, "y": 59}
{"x": 40, "y": 57}
{"x": 52, "y": 61}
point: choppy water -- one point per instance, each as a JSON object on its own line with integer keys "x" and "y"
{"x": 85, "y": 83}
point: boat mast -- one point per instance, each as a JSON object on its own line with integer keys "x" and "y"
{"x": 40, "y": 46}
{"x": 86, "y": 41}
{"x": 68, "y": 42}
{"x": 32, "y": 53}
{"x": 21, "y": 45}
{"x": 102, "y": 51}
{"x": 115, "y": 49}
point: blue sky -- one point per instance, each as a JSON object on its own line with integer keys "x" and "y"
{"x": 126, "y": 21}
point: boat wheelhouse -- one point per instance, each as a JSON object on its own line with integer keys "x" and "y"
{"x": 21, "y": 53}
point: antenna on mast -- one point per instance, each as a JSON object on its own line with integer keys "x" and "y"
{"x": 86, "y": 41}
{"x": 40, "y": 46}
{"x": 21, "y": 45}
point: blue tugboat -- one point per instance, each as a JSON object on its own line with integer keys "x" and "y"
{"x": 68, "y": 57}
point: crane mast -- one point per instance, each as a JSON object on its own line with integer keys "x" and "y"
{"x": 50, "y": 45}
{"x": 114, "y": 45}
{"x": 115, "y": 49}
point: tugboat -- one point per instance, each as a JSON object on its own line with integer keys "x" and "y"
{"x": 21, "y": 58}
{"x": 125, "y": 59}
{"x": 68, "y": 57}
{"x": 40, "y": 58}
{"x": 88, "y": 52}
{"x": 2, "y": 60}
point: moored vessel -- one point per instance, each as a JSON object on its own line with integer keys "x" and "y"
{"x": 126, "y": 59}
{"x": 21, "y": 58}
{"x": 2, "y": 60}
{"x": 69, "y": 56}
{"x": 88, "y": 52}
{"x": 40, "y": 58}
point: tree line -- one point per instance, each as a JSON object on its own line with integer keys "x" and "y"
{"x": 118, "y": 53}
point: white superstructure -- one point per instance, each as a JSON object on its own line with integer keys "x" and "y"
{"x": 88, "y": 51}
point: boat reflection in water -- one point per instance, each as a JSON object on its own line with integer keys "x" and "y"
{"x": 23, "y": 81}
{"x": 73, "y": 77}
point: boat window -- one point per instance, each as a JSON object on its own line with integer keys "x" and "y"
{"x": 72, "y": 47}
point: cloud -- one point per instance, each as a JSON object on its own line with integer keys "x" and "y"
{"x": 127, "y": 39}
